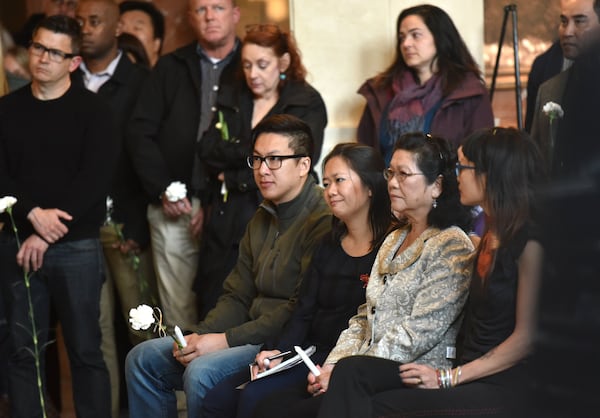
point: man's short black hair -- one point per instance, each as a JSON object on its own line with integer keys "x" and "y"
{"x": 64, "y": 25}
{"x": 298, "y": 133}
{"x": 158, "y": 20}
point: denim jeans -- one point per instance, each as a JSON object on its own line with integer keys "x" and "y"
{"x": 153, "y": 376}
{"x": 70, "y": 279}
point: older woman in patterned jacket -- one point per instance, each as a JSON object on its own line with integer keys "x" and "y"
{"x": 420, "y": 279}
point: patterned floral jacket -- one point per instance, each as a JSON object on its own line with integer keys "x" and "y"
{"x": 414, "y": 299}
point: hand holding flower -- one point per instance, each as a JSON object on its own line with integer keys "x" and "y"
{"x": 143, "y": 317}
{"x": 176, "y": 191}
{"x": 128, "y": 247}
{"x": 34, "y": 245}
{"x": 176, "y": 209}
{"x": 175, "y": 201}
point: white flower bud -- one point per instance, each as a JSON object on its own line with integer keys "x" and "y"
{"x": 7, "y": 202}
{"x": 142, "y": 317}
{"x": 176, "y": 191}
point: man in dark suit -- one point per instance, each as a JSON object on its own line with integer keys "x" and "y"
{"x": 544, "y": 67}
{"x": 580, "y": 19}
{"x": 125, "y": 235}
{"x": 576, "y": 18}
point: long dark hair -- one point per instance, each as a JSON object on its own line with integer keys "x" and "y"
{"x": 513, "y": 169}
{"x": 369, "y": 165}
{"x": 434, "y": 158}
{"x": 454, "y": 60}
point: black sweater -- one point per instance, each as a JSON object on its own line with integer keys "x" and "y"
{"x": 57, "y": 154}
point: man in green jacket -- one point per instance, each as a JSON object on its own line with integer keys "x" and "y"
{"x": 258, "y": 295}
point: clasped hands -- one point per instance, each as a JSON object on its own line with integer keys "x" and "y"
{"x": 318, "y": 385}
{"x": 49, "y": 228}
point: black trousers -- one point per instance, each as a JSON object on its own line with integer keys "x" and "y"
{"x": 362, "y": 387}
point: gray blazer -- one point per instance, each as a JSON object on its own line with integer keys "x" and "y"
{"x": 414, "y": 300}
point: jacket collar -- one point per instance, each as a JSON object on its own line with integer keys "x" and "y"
{"x": 119, "y": 76}
{"x": 291, "y": 209}
{"x": 189, "y": 55}
{"x": 410, "y": 255}
{"x": 292, "y": 94}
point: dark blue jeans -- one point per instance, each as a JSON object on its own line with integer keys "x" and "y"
{"x": 70, "y": 279}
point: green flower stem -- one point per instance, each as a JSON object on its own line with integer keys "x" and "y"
{"x": 34, "y": 335}
{"x": 223, "y": 127}
{"x": 135, "y": 265}
{"x": 36, "y": 349}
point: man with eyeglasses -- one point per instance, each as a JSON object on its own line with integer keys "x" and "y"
{"x": 173, "y": 111}
{"x": 57, "y": 147}
{"x": 49, "y": 8}
{"x": 260, "y": 292}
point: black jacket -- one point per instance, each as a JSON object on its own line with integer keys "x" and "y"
{"x": 235, "y": 102}
{"x": 121, "y": 92}
{"x": 164, "y": 126}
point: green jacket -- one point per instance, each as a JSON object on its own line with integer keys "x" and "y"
{"x": 261, "y": 290}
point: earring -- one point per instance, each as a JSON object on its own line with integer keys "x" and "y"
{"x": 282, "y": 76}
{"x": 434, "y": 204}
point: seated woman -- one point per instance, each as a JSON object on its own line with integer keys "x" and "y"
{"x": 499, "y": 170}
{"x": 274, "y": 83}
{"x": 420, "y": 278}
{"x": 434, "y": 85}
{"x": 335, "y": 284}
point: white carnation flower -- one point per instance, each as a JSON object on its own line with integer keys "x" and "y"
{"x": 7, "y": 202}
{"x": 553, "y": 110}
{"x": 176, "y": 191}
{"x": 142, "y": 317}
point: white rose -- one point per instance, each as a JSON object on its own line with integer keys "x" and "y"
{"x": 553, "y": 110}
{"x": 176, "y": 191}
{"x": 7, "y": 202}
{"x": 141, "y": 318}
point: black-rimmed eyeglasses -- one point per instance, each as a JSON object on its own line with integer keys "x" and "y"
{"x": 54, "y": 55}
{"x": 460, "y": 167}
{"x": 273, "y": 162}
